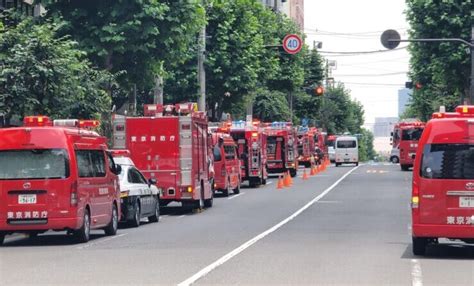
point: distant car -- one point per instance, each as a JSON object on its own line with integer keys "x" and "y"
{"x": 139, "y": 198}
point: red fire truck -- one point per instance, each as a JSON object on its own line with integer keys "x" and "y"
{"x": 226, "y": 164}
{"x": 306, "y": 146}
{"x": 57, "y": 175}
{"x": 321, "y": 146}
{"x": 442, "y": 199}
{"x": 252, "y": 150}
{"x": 169, "y": 143}
{"x": 405, "y": 138}
{"x": 282, "y": 148}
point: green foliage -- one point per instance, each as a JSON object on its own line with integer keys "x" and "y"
{"x": 43, "y": 74}
{"x": 271, "y": 106}
{"x": 143, "y": 38}
{"x": 366, "y": 143}
{"x": 442, "y": 68}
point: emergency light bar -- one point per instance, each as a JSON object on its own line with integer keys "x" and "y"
{"x": 32, "y": 121}
{"x": 66, "y": 122}
{"x": 89, "y": 124}
{"x": 465, "y": 109}
{"x": 120, "y": 153}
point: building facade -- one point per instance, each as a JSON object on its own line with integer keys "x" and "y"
{"x": 275, "y": 5}
{"x": 383, "y": 126}
{"x": 403, "y": 100}
{"x": 25, "y": 6}
{"x": 295, "y": 10}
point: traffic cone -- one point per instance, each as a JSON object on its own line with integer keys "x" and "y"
{"x": 317, "y": 169}
{"x": 286, "y": 182}
{"x": 290, "y": 178}
{"x": 305, "y": 175}
{"x": 287, "y": 179}
{"x": 312, "y": 171}
{"x": 280, "y": 184}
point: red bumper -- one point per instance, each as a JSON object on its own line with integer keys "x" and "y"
{"x": 443, "y": 231}
{"x": 51, "y": 223}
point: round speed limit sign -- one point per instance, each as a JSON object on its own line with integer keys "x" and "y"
{"x": 292, "y": 44}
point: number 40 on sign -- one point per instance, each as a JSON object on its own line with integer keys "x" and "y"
{"x": 292, "y": 43}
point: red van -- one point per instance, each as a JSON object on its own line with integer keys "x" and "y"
{"x": 226, "y": 164}
{"x": 443, "y": 180}
{"x": 57, "y": 176}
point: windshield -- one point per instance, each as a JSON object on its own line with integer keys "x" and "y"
{"x": 412, "y": 134}
{"x": 346, "y": 144}
{"x": 448, "y": 161}
{"x": 34, "y": 164}
{"x": 217, "y": 154}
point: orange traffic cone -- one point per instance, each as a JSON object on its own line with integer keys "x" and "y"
{"x": 305, "y": 175}
{"x": 312, "y": 171}
{"x": 286, "y": 182}
{"x": 287, "y": 179}
{"x": 290, "y": 178}
{"x": 280, "y": 184}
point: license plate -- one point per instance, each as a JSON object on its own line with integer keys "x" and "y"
{"x": 26, "y": 199}
{"x": 466, "y": 202}
{"x": 346, "y": 160}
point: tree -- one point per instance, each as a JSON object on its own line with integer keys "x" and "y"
{"x": 43, "y": 74}
{"x": 143, "y": 38}
{"x": 442, "y": 68}
{"x": 271, "y": 106}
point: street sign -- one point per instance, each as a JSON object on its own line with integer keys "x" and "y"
{"x": 390, "y": 39}
{"x": 292, "y": 44}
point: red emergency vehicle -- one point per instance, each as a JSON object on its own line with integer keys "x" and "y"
{"x": 443, "y": 180}
{"x": 320, "y": 141}
{"x": 330, "y": 143}
{"x": 170, "y": 144}
{"x": 306, "y": 146}
{"x": 252, "y": 151}
{"x": 405, "y": 138}
{"x": 226, "y": 164}
{"x": 57, "y": 175}
{"x": 282, "y": 148}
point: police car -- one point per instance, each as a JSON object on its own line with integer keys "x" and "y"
{"x": 139, "y": 198}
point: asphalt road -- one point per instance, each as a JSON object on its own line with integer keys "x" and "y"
{"x": 334, "y": 229}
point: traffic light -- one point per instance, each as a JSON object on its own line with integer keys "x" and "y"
{"x": 418, "y": 85}
{"x": 319, "y": 91}
{"x": 411, "y": 85}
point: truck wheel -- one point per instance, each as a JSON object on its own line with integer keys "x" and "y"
{"x": 83, "y": 234}
{"x": 156, "y": 216}
{"x": 419, "y": 245}
{"x": 404, "y": 167}
{"x": 357, "y": 164}
{"x": 237, "y": 189}
{"x": 112, "y": 228}
{"x": 293, "y": 173}
{"x": 394, "y": 160}
{"x": 135, "y": 222}
{"x": 209, "y": 202}
{"x": 227, "y": 190}
{"x": 337, "y": 164}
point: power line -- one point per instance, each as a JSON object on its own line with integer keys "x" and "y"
{"x": 372, "y": 75}
{"x": 362, "y": 52}
{"x": 374, "y": 84}
{"x": 352, "y": 33}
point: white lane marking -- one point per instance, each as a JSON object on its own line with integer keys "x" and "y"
{"x": 181, "y": 216}
{"x": 100, "y": 241}
{"x": 329, "y": 202}
{"x": 416, "y": 275}
{"x": 235, "y": 196}
{"x": 268, "y": 183}
{"x": 203, "y": 272}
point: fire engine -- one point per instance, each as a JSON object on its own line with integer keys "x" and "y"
{"x": 405, "y": 138}
{"x": 282, "y": 148}
{"x": 320, "y": 141}
{"x": 57, "y": 175}
{"x": 252, "y": 151}
{"x": 306, "y": 146}
{"x": 170, "y": 144}
{"x": 330, "y": 142}
{"x": 442, "y": 199}
{"x": 226, "y": 164}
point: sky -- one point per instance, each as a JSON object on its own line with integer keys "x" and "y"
{"x": 352, "y": 26}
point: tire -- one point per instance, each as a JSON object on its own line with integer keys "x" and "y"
{"x": 2, "y": 238}
{"x": 227, "y": 190}
{"x": 419, "y": 245}
{"x": 237, "y": 189}
{"x": 293, "y": 173}
{"x": 83, "y": 234}
{"x": 357, "y": 164}
{"x": 394, "y": 160}
{"x": 209, "y": 202}
{"x": 338, "y": 164}
{"x": 111, "y": 229}
{"x": 156, "y": 216}
{"x": 135, "y": 222}
{"x": 405, "y": 167}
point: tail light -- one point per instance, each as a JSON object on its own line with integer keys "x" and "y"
{"x": 74, "y": 197}
{"x": 415, "y": 199}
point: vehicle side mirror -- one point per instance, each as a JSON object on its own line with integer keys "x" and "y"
{"x": 117, "y": 170}
{"x": 152, "y": 181}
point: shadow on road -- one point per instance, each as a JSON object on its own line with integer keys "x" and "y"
{"x": 450, "y": 251}
{"x": 56, "y": 239}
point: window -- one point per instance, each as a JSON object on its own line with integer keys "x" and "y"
{"x": 217, "y": 154}
{"x": 412, "y": 134}
{"x": 135, "y": 177}
{"x": 229, "y": 152}
{"x": 346, "y": 144}
{"x": 91, "y": 163}
{"x": 34, "y": 164}
{"x": 448, "y": 161}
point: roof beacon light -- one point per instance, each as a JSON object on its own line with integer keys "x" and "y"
{"x": 32, "y": 121}
{"x": 442, "y": 109}
{"x": 66, "y": 122}
{"x": 89, "y": 124}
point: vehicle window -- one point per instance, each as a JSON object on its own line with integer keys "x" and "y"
{"x": 412, "y": 134}
{"x": 346, "y": 144}
{"x": 217, "y": 154}
{"x": 271, "y": 145}
{"x": 34, "y": 164}
{"x": 331, "y": 143}
{"x": 90, "y": 163}
{"x": 316, "y": 139}
{"x": 135, "y": 177}
{"x": 229, "y": 152}
{"x": 448, "y": 161}
{"x": 396, "y": 135}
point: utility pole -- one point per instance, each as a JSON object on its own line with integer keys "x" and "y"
{"x": 201, "y": 71}
{"x": 158, "y": 91}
